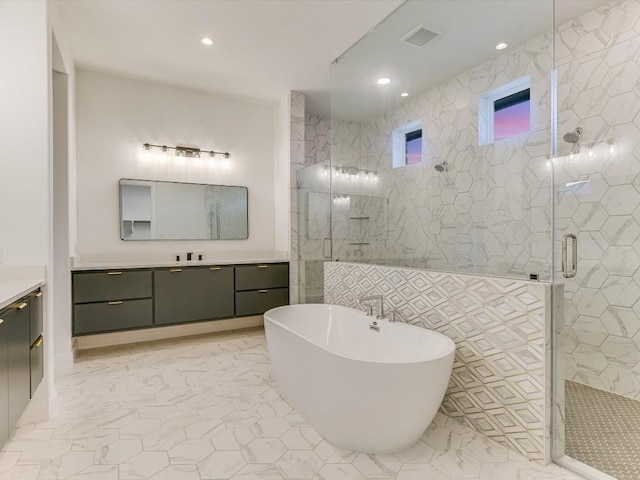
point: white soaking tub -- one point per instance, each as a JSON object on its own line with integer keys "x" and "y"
{"x": 364, "y": 390}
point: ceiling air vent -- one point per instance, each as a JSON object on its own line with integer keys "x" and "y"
{"x": 420, "y": 36}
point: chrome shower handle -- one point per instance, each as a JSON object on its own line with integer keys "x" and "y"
{"x": 574, "y": 255}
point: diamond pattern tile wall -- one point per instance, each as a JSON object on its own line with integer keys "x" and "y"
{"x": 498, "y": 325}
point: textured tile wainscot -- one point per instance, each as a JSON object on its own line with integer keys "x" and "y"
{"x": 499, "y": 326}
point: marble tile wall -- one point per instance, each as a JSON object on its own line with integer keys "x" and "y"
{"x": 500, "y": 330}
{"x": 598, "y": 195}
{"x": 317, "y": 139}
{"x": 297, "y": 148}
{"x": 490, "y": 212}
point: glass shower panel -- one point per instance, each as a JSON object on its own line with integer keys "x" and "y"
{"x": 314, "y": 223}
{"x": 474, "y": 203}
{"x": 597, "y": 195}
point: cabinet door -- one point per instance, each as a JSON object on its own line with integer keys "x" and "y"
{"x": 214, "y": 292}
{"x": 174, "y": 296}
{"x": 4, "y": 382}
{"x": 37, "y": 364}
{"x": 17, "y": 321}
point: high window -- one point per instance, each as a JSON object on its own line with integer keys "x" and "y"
{"x": 505, "y": 112}
{"x": 407, "y": 145}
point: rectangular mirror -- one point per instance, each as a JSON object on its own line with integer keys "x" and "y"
{"x": 151, "y": 210}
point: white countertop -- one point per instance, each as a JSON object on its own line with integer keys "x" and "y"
{"x": 12, "y": 290}
{"x": 17, "y": 281}
{"x": 122, "y": 265}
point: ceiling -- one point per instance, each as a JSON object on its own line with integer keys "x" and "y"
{"x": 263, "y": 48}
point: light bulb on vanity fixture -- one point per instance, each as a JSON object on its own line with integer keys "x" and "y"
{"x": 182, "y": 153}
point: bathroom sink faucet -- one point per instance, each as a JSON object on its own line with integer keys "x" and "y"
{"x": 379, "y": 299}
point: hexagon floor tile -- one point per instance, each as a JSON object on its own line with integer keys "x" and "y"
{"x": 206, "y": 408}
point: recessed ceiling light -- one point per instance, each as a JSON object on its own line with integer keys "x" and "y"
{"x": 404, "y": 94}
{"x": 501, "y": 46}
{"x": 207, "y": 41}
{"x": 384, "y": 81}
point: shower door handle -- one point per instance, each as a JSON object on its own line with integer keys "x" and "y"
{"x": 566, "y": 273}
{"x": 326, "y": 247}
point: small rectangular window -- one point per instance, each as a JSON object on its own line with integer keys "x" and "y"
{"x": 511, "y": 115}
{"x": 505, "y": 112}
{"x": 407, "y": 144}
{"x": 413, "y": 147}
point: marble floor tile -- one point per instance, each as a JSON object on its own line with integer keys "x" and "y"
{"x": 206, "y": 408}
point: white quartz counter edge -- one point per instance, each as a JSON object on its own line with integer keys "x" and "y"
{"x": 203, "y": 263}
{"x": 12, "y": 290}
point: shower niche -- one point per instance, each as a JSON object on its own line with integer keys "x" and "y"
{"x": 356, "y": 223}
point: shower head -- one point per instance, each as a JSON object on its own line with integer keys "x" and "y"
{"x": 573, "y": 137}
{"x": 441, "y": 167}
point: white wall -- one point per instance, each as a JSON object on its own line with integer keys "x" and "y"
{"x": 115, "y": 116}
{"x": 24, "y": 132}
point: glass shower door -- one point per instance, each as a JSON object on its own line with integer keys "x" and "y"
{"x": 597, "y": 195}
{"x": 314, "y": 200}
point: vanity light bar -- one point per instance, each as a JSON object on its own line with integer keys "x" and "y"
{"x": 192, "y": 152}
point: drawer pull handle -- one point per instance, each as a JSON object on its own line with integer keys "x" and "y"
{"x": 175, "y": 270}
{"x": 115, "y": 303}
{"x": 263, "y": 291}
{"x": 22, "y": 305}
{"x": 114, "y": 273}
{"x": 263, "y": 266}
{"x": 38, "y": 342}
{"x": 38, "y": 295}
{"x": 215, "y": 268}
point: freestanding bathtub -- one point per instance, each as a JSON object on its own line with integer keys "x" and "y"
{"x": 363, "y": 390}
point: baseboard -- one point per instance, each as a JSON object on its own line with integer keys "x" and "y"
{"x": 162, "y": 333}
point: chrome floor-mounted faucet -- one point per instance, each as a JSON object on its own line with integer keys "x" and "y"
{"x": 380, "y": 301}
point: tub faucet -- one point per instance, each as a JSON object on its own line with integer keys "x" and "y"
{"x": 380, "y": 300}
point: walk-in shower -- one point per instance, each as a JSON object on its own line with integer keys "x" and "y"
{"x": 505, "y": 204}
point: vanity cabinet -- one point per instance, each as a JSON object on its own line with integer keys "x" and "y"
{"x": 107, "y": 301}
{"x": 20, "y": 370}
{"x": 112, "y": 300}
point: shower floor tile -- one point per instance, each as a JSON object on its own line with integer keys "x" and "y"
{"x": 206, "y": 408}
{"x": 603, "y": 430}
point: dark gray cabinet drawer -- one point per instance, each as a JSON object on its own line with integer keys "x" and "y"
{"x": 115, "y": 315}
{"x": 37, "y": 364}
{"x": 261, "y": 276}
{"x": 35, "y": 316}
{"x": 111, "y": 285}
{"x": 256, "y": 302}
